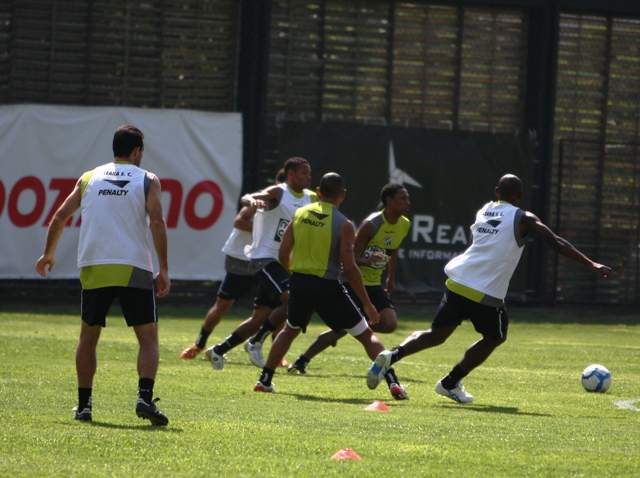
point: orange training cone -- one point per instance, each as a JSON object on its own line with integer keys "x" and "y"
{"x": 378, "y": 407}
{"x": 346, "y": 454}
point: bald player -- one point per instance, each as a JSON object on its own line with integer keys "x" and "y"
{"x": 477, "y": 285}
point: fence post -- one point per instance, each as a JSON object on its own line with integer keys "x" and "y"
{"x": 554, "y": 292}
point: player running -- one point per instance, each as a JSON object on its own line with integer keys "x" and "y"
{"x": 376, "y": 249}
{"x": 477, "y": 285}
{"x": 321, "y": 239}
{"x": 238, "y": 280}
{"x": 268, "y": 226}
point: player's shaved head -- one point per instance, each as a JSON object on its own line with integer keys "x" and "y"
{"x": 331, "y": 185}
{"x": 509, "y": 187}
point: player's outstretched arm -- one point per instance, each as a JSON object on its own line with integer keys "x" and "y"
{"x": 352, "y": 273}
{"x": 531, "y": 223}
{"x": 60, "y": 218}
{"x": 263, "y": 198}
{"x": 159, "y": 234}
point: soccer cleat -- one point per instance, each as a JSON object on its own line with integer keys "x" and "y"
{"x": 190, "y": 352}
{"x": 297, "y": 368}
{"x": 84, "y": 415}
{"x": 255, "y": 353}
{"x": 457, "y": 394}
{"x": 151, "y": 412}
{"x": 217, "y": 361}
{"x": 398, "y": 392}
{"x": 378, "y": 369}
{"x": 261, "y": 387}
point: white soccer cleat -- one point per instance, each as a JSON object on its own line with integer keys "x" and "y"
{"x": 378, "y": 369}
{"x": 255, "y": 353}
{"x": 217, "y": 361}
{"x": 261, "y": 387}
{"x": 457, "y": 394}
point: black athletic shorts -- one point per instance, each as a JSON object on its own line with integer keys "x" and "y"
{"x": 489, "y": 321}
{"x": 239, "y": 267}
{"x": 235, "y": 286}
{"x": 274, "y": 281}
{"x": 377, "y": 295}
{"x": 329, "y": 298}
{"x": 138, "y": 305}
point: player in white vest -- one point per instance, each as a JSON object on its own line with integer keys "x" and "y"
{"x": 238, "y": 280}
{"x": 114, "y": 255}
{"x": 477, "y": 285}
{"x": 275, "y": 208}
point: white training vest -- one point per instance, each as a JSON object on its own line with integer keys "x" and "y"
{"x": 236, "y": 244}
{"x": 488, "y": 264}
{"x": 268, "y": 226}
{"x": 115, "y": 227}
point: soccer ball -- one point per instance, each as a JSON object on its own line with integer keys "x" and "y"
{"x": 596, "y": 378}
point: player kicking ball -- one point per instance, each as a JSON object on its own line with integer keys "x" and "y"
{"x": 477, "y": 284}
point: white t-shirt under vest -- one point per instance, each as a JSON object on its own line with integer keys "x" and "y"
{"x": 489, "y": 263}
{"x": 236, "y": 244}
{"x": 269, "y": 225}
{"x": 115, "y": 226}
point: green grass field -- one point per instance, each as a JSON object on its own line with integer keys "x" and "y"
{"x": 530, "y": 417}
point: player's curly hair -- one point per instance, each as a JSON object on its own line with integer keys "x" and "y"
{"x": 389, "y": 191}
{"x": 293, "y": 164}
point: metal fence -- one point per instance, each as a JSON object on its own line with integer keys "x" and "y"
{"x": 597, "y": 208}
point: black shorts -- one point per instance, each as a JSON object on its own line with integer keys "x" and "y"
{"x": 329, "y": 298}
{"x": 377, "y": 295}
{"x": 489, "y": 321}
{"x": 138, "y": 305}
{"x": 274, "y": 281}
{"x": 235, "y": 286}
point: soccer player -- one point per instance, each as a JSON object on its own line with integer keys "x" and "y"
{"x": 477, "y": 284}
{"x": 238, "y": 280}
{"x": 376, "y": 248}
{"x": 275, "y": 207}
{"x": 114, "y": 257}
{"x": 321, "y": 239}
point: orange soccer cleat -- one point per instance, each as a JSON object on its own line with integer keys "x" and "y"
{"x": 190, "y": 352}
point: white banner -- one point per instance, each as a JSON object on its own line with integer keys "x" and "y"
{"x": 45, "y": 149}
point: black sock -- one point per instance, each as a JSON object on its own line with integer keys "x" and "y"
{"x": 390, "y": 377}
{"x": 302, "y": 361}
{"x": 145, "y": 389}
{"x": 266, "y": 376}
{"x": 451, "y": 381}
{"x": 230, "y": 342}
{"x": 263, "y": 333}
{"x": 398, "y": 353}
{"x": 84, "y": 398}
{"x": 201, "y": 341}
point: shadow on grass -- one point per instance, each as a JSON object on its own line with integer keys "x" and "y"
{"x": 142, "y": 427}
{"x": 316, "y": 398}
{"x": 493, "y": 409}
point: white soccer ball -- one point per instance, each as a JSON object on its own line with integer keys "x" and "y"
{"x": 596, "y": 378}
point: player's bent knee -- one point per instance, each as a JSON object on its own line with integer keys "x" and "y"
{"x": 495, "y": 342}
{"x": 385, "y": 328}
